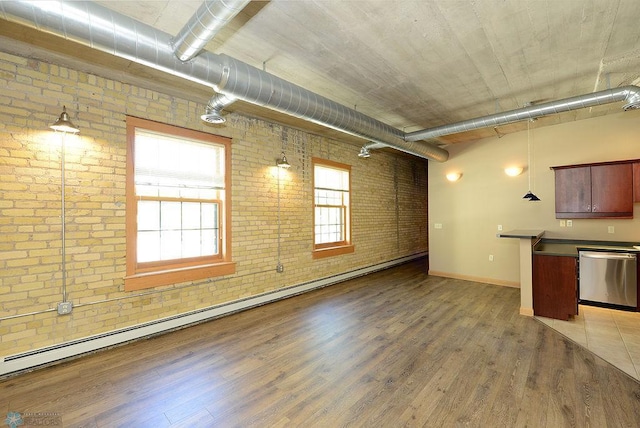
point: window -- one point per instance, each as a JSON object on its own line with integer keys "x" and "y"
{"x": 177, "y": 205}
{"x": 331, "y": 208}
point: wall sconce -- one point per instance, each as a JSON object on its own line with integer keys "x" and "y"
{"x": 513, "y": 171}
{"x": 63, "y": 125}
{"x": 454, "y": 176}
{"x": 282, "y": 162}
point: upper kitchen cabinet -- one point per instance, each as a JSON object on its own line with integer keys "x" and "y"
{"x": 636, "y": 182}
{"x": 602, "y": 190}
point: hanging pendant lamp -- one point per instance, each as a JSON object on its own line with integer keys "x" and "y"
{"x": 530, "y": 195}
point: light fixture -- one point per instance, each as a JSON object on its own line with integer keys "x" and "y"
{"x": 282, "y": 162}
{"x": 454, "y": 176}
{"x": 364, "y": 152}
{"x": 529, "y": 195}
{"x": 513, "y": 171}
{"x": 63, "y": 124}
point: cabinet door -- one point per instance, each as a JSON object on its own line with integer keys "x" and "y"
{"x": 636, "y": 182}
{"x": 555, "y": 286}
{"x": 612, "y": 190}
{"x": 573, "y": 190}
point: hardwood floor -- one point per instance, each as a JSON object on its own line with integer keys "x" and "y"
{"x": 395, "y": 348}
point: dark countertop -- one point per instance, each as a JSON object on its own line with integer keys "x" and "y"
{"x": 570, "y": 248}
{"x": 522, "y": 233}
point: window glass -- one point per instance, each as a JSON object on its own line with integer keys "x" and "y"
{"x": 332, "y": 227}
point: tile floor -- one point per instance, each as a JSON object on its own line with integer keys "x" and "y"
{"x": 612, "y": 335}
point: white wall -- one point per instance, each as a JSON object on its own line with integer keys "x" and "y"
{"x": 471, "y": 209}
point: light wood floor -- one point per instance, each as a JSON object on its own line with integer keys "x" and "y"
{"x": 395, "y": 348}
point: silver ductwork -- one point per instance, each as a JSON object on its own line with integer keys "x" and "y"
{"x": 213, "y": 113}
{"x": 100, "y": 28}
{"x": 209, "y": 19}
{"x": 630, "y": 94}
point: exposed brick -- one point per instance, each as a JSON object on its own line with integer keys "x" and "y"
{"x": 30, "y": 217}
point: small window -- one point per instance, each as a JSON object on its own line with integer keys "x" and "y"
{"x": 177, "y": 205}
{"x": 332, "y": 208}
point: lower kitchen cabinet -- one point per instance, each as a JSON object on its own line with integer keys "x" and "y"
{"x": 555, "y": 286}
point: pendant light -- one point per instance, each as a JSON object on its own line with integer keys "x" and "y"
{"x": 530, "y": 195}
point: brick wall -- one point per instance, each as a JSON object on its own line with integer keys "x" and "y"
{"x": 389, "y": 206}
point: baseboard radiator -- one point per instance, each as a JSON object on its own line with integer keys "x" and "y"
{"x": 13, "y": 364}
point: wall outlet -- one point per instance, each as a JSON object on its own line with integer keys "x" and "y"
{"x": 65, "y": 308}
{"x": 569, "y": 223}
{"x": 437, "y": 225}
{"x": 611, "y": 229}
{"x": 499, "y": 227}
{"x": 563, "y": 223}
{"x": 490, "y": 257}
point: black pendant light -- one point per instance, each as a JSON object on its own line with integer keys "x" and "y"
{"x": 530, "y": 195}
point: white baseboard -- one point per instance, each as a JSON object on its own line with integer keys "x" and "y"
{"x": 45, "y": 356}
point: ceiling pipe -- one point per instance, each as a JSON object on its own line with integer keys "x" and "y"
{"x": 630, "y": 94}
{"x": 204, "y": 25}
{"x": 211, "y": 17}
{"x": 100, "y": 28}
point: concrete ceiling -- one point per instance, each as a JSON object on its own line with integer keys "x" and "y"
{"x": 413, "y": 64}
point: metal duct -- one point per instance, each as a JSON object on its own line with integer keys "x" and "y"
{"x": 258, "y": 87}
{"x": 631, "y": 94}
{"x": 214, "y": 108}
{"x": 95, "y": 26}
{"x": 209, "y": 19}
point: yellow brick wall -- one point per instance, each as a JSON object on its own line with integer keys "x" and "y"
{"x": 389, "y": 203}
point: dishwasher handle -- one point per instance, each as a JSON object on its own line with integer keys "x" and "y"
{"x": 608, "y": 256}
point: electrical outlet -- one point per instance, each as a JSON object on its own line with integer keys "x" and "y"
{"x": 569, "y": 223}
{"x": 65, "y": 308}
{"x": 279, "y": 268}
{"x": 490, "y": 257}
{"x": 437, "y": 226}
{"x": 563, "y": 223}
{"x": 499, "y": 227}
{"x": 611, "y": 229}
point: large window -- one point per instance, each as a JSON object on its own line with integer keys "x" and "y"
{"x": 332, "y": 208}
{"x": 177, "y": 205}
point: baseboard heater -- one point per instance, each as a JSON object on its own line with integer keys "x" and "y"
{"x": 44, "y": 356}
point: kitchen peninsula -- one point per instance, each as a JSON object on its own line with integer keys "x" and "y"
{"x": 528, "y": 238}
{"x": 549, "y": 272}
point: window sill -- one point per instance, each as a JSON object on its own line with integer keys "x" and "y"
{"x": 141, "y": 281}
{"x": 332, "y": 251}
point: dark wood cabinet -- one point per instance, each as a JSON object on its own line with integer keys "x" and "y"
{"x": 595, "y": 191}
{"x": 555, "y": 286}
{"x": 573, "y": 190}
{"x": 636, "y": 182}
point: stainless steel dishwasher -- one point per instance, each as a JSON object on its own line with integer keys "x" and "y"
{"x": 609, "y": 278}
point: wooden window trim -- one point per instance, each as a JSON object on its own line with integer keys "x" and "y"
{"x": 139, "y": 276}
{"x": 331, "y": 249}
